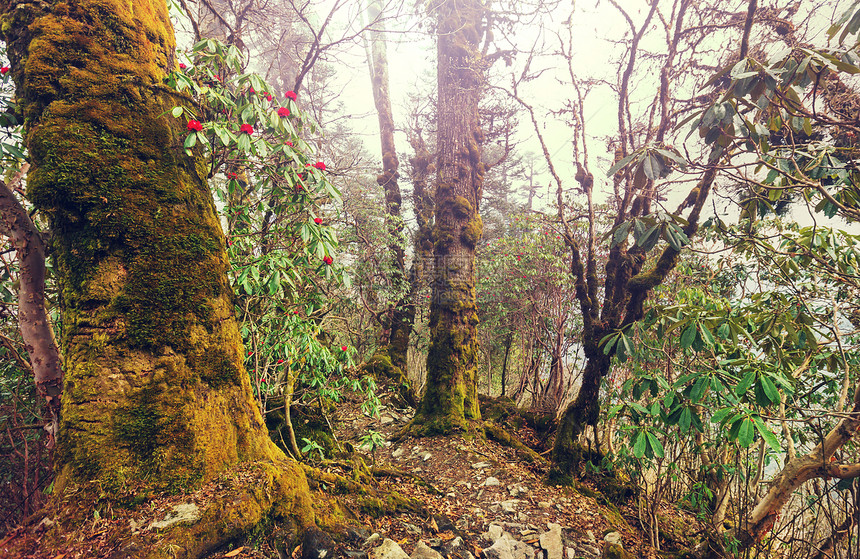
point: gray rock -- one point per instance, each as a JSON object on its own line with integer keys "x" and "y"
{"x": 481, "y": 465}
{"x": 544, "y": 504}
{"x": 551, "y": 542}
{"x": 412, "y": 529}
{"x": 493, "y": 533}
{"x": 398, "y": 453}
{"x": 423, "y": 551}
{"x": 507, "y": 547}
{"x": 570, "y": 552}
{"x": 427, "y": 456}
{"x": 454, "y": 547}
{"x": 388, "y": 550}
{"x": 510, "y": 505}
{"x": 355, "y": 554}
{"x": 518, "y": 489}
{"x": 185, "y": 512}
{"x": 589, "y": 551}
{"x": 590, "y": 536}
{"x": 375, "y": 537}
{"x": 386, "y": 419}
{"x": 613, "y": 538}
{"x": 491, "y": 482}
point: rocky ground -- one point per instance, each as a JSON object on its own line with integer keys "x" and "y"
{"x": 484, "y": 500}
{"x": 466, "y": 498}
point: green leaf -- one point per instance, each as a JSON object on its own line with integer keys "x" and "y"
{"x": 746, "y": 432}
{"x": 624, "y": 161}
{"x": 745, "y": 383}
{"x": 190, "y": 141}
{"x": 653, "y": 166}
{"x": 639, "y": 444}
{"x": 699, "y": 388}
{"x": 685, "y": 420}
{"x": 688, "y": 335}
{"x": 176, "y": 112}
{"x": 650, "y": 238}
{"x": 655, "y": 445}
{"x": 770, "y": 390}
{"x": 766, "y": 434}
{"x": 720, "y": 415}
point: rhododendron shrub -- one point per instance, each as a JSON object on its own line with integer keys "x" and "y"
{"x": 272, "y": 193}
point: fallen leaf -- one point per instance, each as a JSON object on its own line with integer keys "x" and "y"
{"x": 235, "y": 552}
{"x": 60, "y": 556}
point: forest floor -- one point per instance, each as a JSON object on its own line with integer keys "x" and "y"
{"x": 476, "y": 499}
{"x": 468, "y": 484}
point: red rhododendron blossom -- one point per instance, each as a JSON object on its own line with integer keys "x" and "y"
{"x": 268, "y": 97}
{"x": 290, "y": 95}
{"x": 182, "y": 66}
{"x": 320, "y": 165}
{"x": 284, "y": 112}
{"x": 328, "y": 260}
{"x": 343, "y": 348}
{"x": 251, "y": 90}
{"x": 195, "y": 126}
{"x": 280, "y": 361}
{"x": 246, "y": 129}
{"x": 4, "y": 69}
{"x": 232, "y": 175}
{"x": 289, "y": 143}
{"x": 317, "y": 220}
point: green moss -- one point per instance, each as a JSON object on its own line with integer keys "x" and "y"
{"x": 472, "y": 231}
{"x": 217, "y": 368}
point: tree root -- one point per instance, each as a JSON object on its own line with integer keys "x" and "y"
{"x": 501, "y": 436}
{"x": 83, "y": 522}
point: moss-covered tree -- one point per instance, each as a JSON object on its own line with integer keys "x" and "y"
{"x": 398, "y": 320}
{"x": 156, "y": 397}
{"x": 450, "y": 399}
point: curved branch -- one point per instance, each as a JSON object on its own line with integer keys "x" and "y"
{"x": 33, "y": 320}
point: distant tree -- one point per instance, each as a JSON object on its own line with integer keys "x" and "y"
{"x": 450, "y": 399}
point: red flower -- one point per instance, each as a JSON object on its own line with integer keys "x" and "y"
{"x": 246, "y": 129}
{"x": 251, "y": 90}
{"x": 280, "y": 361}
{"x": 250, "y": 353}
{"x": 195, "y": 126}
{"x": 4, "y": 69}
{"x": 182, "y": 66}
{"x": 343, "y": 348}
{"x": 328, "y": 260}
{"x": 289, "y": 143}
{"x": 232, "y": 175}
{"x": 284, "y": 112}
{"x": 320, "y": 165}
{"x": 317, "y": 220}
{"x": 290, "y": 95}
{"x": 268, "y": 98}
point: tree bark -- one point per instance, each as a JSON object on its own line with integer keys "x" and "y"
{"x": 156, "y": 396}
{"x": 33, "y": 319}
{"x": 450, "y": 400}
{"x": 399, "y": 318}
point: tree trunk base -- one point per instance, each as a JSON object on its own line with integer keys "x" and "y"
{"x": 85, "y": 522}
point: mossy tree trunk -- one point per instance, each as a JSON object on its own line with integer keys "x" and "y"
{"x": 450, "y": 399}
{"x": 156, "y": 396}
{"x": 397, "y": 322}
